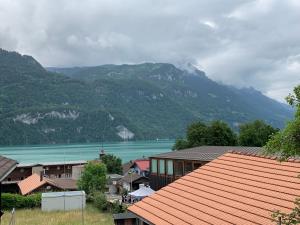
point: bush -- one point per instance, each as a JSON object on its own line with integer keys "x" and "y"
{"x": 10, "y": 201}
{"x": 100, "y": 201}
{"x": 118, "y": 208}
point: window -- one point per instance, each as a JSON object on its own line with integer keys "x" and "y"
{"x": 162, "y": 166}
{"x": 170, "y": 167}
{"x": 154, "y": 165}
{"x": 188, "y": 167}
{"x": 178, "y": 167}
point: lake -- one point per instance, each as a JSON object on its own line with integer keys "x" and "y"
{"x": 69, "y": 152}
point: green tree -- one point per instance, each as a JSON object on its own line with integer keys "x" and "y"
{"x": 113, "y": 163}
{"x": 100, "y": 200}
{"x": 255, "y": 133}
{"x": 180, "y": 144}
{"x": 287, "y": 144}
{"x": 220, "y": 134}
{"x": 287, "y": 141}
{"x": 197, "y": 134}
{"x": 215, "y": 133}
{"x": 93, "y": 178}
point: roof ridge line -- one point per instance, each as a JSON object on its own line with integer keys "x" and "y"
{"x": 250, "y": 163}
{"x": 254, "y": 175}
{"x": 261, "y": 155}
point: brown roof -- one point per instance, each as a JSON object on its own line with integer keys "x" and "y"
{"x": 63, "y": 183}
{"x": 131, "y": 177}
{"x": 126, "y": 167}
{"x": 233, "y": 189}
{"x": 205, "y": 153}
{"x": 6, "y": 167}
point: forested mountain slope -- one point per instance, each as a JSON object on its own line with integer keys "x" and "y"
{"x": 112, "y": 102}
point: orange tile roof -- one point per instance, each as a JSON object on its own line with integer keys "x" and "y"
{"x": 232, "y": 189}
{"x": 30, "y": 184}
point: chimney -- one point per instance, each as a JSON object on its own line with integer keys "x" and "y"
{"x": 41, "y": 176}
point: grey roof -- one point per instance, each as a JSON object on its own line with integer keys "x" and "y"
{"x": 53, "y": 163}
{"x": 122, "y": 216}
{"x": 206, "y": 153}
{"x": 6, "y": 167}
{"x": 126, "y": 167}
{"x": 131, "y": 177}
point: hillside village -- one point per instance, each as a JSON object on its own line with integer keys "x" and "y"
{"x": 150, "y": 112}
{"x": 206, "y": 184}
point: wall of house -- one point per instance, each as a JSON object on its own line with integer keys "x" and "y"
{"x": 19, "y": 173}
{"x": 51, "y": 171}
{"x": 166, "y": 171}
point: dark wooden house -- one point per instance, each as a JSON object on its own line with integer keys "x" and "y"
{"x": 167, "y": 167}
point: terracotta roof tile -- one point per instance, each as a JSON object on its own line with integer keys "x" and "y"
{"x": 233, "y": 189}
{"x": 30, "y": 184}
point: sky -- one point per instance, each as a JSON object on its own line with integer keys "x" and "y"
{"x": 242, "y": 42}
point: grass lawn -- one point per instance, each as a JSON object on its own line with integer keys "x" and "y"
{"x": 37, "y": 217}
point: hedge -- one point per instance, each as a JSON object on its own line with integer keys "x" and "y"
{"x": 10, "y": 201}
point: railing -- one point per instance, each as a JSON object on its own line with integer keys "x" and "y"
{"x": 13, "y": 219}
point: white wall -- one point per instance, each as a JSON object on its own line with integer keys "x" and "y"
{"x": 63, "y": 202}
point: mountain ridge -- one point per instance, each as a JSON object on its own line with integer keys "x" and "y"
{"x": 91, "y": 104}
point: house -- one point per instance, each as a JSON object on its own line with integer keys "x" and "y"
{"x": 50, "y": 169}
{"x": 126, "y": 167}
{"x": 124, "y": 219}
{"x": 112, "y": 183}
{"x": 6, "y": 167}
{"x": 132, "y": 181}
{"x": 37, "y": 183}
{"x": 169, "y": 166}
{"x": 141, "y": 167}
{"x": 236, "y": 188}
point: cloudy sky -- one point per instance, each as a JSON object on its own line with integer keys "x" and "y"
{"x": 241, "y": 42}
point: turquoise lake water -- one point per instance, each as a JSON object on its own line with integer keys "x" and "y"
{"x": 59, "y": 153}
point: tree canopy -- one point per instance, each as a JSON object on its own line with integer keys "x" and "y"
{"x": 256, "y": 133}
{"x": 287, "y": 141}
{"x": 214, "y": 133}
{"x": 93, "y": 178}
{"x": 113, "y": 163}
{"x": 287, "y": 144}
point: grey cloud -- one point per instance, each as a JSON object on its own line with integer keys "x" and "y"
{"x": 242, "y": 43}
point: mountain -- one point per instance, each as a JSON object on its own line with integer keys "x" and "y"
{"x": 115, "y": 102}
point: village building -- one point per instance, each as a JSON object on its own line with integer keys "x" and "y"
{"x": 124, "y": 219}
{"x": 167, "y": 167}
{"x": 236, "y": 188}
{"x": 131, "y": 182}
{"x": 6, "y": 167}
{"x": 50, "y": 170}
{"x": 38, "y": 183}
{"x": 141, "y": 167}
